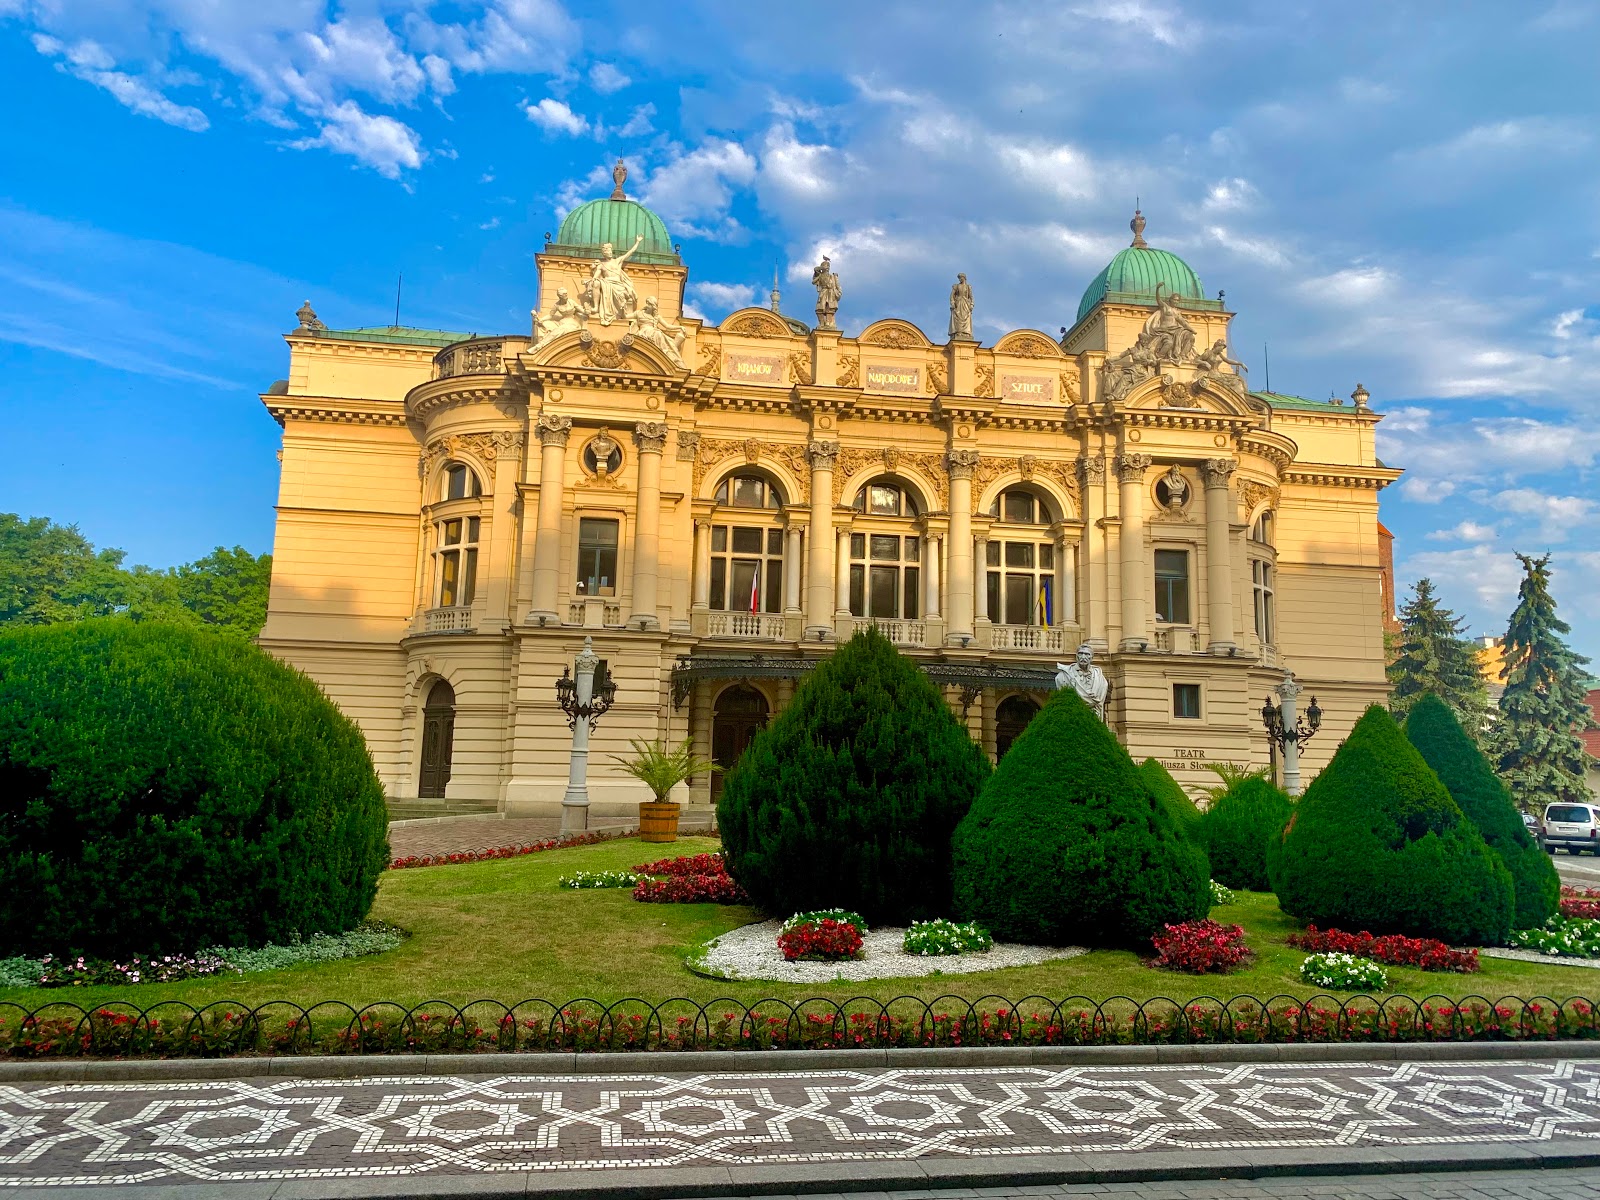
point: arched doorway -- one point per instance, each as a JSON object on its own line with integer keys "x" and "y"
{"x": 438, "y": 740}
{"x": 740, "y": 713}
{"x": 1010, "y": 719}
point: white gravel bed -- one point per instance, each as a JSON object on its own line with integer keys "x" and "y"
{"x": 751, "y": 952}
{"x": 1555, "y": 960}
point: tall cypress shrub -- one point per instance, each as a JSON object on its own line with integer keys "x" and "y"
{"x": 164, "y": 789}
{"x": 1170, "y": 793}
{"x": 1239, "y": 826}
{"x": 849, "y": 797}
{"x": 1377, "y": 843}
{"x": 1066, "y": 845}
{"x": 1486, "y": 801}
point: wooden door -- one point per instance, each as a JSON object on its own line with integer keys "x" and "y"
{"x": 438, "y": 741}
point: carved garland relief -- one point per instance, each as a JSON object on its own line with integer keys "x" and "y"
{"x": 1064, "y": 474}
{"x": 486, "y": 447}
{"x": 709, "y": 452}
{"x": 1252, "y": 494}
{"x": 930, "y": 467}
{"x": 849, "y": 371}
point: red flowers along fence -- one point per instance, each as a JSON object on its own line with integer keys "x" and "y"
{"x": 1427, "y": 954}
{"x": 515, "y": 851}
{"x": 1200, "y": 947}
{"x": 691, "y": 879}
{"x": 1580, "y": 902}
{"x": 174, "y": 1029}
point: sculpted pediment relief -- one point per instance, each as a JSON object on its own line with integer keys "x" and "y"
{"x": 1198, "y": 395}
{"x": 895, "y": 334}
{"x": 1028, "y": 343}
{"x": 618, "y": 352}
{"x": 756, "y": 322}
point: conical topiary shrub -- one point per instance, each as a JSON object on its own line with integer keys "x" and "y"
{"x": 1237, "y": 829}
{"x": 1376, "y": 843}
{"x": 1171, "y": 794}
{"x": 1486, "y": 801}
{"x": 1065, "y": 844}
{"x": 849, "y": 797}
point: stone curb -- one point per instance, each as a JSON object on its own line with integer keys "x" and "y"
{"x": 694, "y": 1062}
{"x": 876, "y": 1177}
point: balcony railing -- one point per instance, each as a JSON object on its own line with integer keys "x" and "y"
{"x": 765, "y": 627}
{"x": 481, "y": 356}
{"x": 1028, "y": 637}
{"x": 1175, "y": 639}
{"x": 456, "y": 619}
{"x": 901, "y": 633}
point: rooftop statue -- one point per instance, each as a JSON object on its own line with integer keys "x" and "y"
{"x": 650, "y": 326}
{"x": 1211, "y": 363}
{"x": 961, "y": 310}
{"x": 1169, "y": 337}
{"x": 1088, "y": 680}
{"x": 828, "y": 293}
{"x": 565, "y": 316}
{"x": 609, "y": 294}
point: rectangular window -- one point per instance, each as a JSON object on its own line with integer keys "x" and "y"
{"x": 858, "y": 591}
{"x": 991, "y": 554}
{"x": 913, "y": 600}
{"x": 996, "y": 613}
{"x": 747, "y": 541}
{"x": 1022, "y": 598}
{"x": 597, "y": 556}
{"x": 719, "y": 583}
{"x": 1019, "y": 554}
{"x": 1261, "y": 587}
{"x": 774, "y": 585}
{"x": 775, "y": 541}
{"x": 1172, "y": 586}
{"x": 469, "y": 574}
{"x": 749, "y": 492}
{"x": 883, "y": 596}
{"x": 1018, "y": 508}
{"x": 744, "y": 583}
{"x": 449, "y": 579}
{"x": 885, "y": 548}
{"x": 1186, "y": 701}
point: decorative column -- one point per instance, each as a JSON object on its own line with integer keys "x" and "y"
{"x": 1131, "y": 470}
{"x": 552, "y": 432}
{"x": 791, "y": 570}
{"x": 931, "y": 551}
{"x": 1219, "y": 565}
{"x": 980, "y": 587}
{"x": 841, "y": 573}
{"x": 1066, "y": 604}
{"x": 961, "y": 464}
{"x": 1092, "y": 563}
{"x": 819, "y": 570}
{"x": 651, "y": 438}
{"x": 702, "y": 563}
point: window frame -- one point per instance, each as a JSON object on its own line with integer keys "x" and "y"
{"x": 1187, "y": 554}
{"x": 579, "y": 579}
{"x": 1190, "y": 688}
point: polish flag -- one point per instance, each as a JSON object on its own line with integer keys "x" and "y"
{"x": 755, "y": 590}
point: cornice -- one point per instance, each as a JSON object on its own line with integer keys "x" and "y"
{"x": 1277, "y": 448}
{"x": 1180, "y": 418}
{"x": 427, "y": 399}
{"x": 287, "y": 408}
{"x": 1340, "y": 475}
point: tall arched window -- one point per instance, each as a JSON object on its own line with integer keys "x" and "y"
{"x": 1020, "y": 561}
{"x": 1263, "y": 578}
{"x": 747, "y": 545}
{"x": 457, "y": 526}
{"x": 885, "y": 553}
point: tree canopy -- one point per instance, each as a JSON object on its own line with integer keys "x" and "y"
{"x": 1432, "y": 657}
{"x": 51, "y": 573}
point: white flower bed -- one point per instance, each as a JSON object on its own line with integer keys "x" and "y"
{"x": 752, "y": 952}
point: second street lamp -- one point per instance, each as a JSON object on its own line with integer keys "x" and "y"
{"x": 1288, "y": 730}
{"x": 585, "y": 700}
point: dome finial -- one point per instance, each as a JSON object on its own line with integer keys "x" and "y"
{"x": 620, "y": 174}
{"x": 1137, "y": 225}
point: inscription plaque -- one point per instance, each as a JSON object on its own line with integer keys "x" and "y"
{"x": 882, "y": 378}
{"x": 752, "y": 368}
{"x": 1027, "y": 389}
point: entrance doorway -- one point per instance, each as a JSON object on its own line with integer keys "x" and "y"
{"x": 438, "y": 740}
{"x": 1010, "y": 719}
{"x": 741, "y": 713}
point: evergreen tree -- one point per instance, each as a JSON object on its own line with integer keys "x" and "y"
{"x": 1170, "y": 792}
{"x": 1237, "y": 829}
{"x": 1432, "y": 656}
{"x": 1535, "y": 747}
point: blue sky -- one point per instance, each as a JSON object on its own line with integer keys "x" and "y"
{"x": 1407, "y": 195}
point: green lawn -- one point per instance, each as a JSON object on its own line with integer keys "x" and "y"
{"x": 503, "y": 930}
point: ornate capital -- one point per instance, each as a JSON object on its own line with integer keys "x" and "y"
{"x": 1093, "y": 470}
{"x": 553, "y": 430}
{"x": 961, "y": 463}
{"x": 650, "y": 437}
{"x": 1131, "y": 467}
{"x": 822, "y": 455}
{"x": 1217, "y": 471}
{"x": 688, "y": 445}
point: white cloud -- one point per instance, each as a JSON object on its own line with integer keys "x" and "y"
{"x": 491, "y": 223}
{"x": 1497, "y": 141}
{"x": 553, "y": 116}
{"x": 802, "y": 169}
{"x": 1230, "y": 195}
{"x": 1466, "y": 531}
{"x": 637, "y": 125}
{"x": 1557, "y": 516}
{"x": 1157, "y": 21}
{"x": 1263, "y": 250}
{"x": 699, "y": 185}
{"x": 88, "y": 61}
{"x": 1485, "y": 573}
{"x": 724, "y": 297}
{"x": 1056, "y": 168}
{"x": 605, "y": 78}
{"x": 379, "y": 141}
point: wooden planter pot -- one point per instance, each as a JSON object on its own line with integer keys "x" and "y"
{"x": 658, "y": 822}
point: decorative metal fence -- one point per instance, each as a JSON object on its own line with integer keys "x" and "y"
{"x": 174, "y": 1028}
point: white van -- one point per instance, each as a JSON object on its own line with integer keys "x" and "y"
{"x": 1574, "y": 826}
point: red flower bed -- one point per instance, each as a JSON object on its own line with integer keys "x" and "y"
{"x": 516, "y": 851}
{"x": 1199, "y": 947}
{"x": 1580, "y": 902}
{"x": 827, "y": 940}
{"x": 689, "y": 864}
{"x": 1427, "y": 954}
{"x": 690, "y": 889}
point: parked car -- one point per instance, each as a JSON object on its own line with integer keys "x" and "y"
{"x": 1574, "y": 826}
{"x": 1531, "y": 822}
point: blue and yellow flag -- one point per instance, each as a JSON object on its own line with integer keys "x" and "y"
{"x": 1045, "y": 605}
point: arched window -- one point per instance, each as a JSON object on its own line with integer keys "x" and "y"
{"x": 747, "y": 546}
{"x": 885, "y": 498}
{"x": 748, "y": 491}
{"x": 1010, "y": 719}
{"x": 885, "y": 554}
{"x": 1020, "y": 562}
{"x": 460, "y": 483}
{"x": 1261, "y": 528}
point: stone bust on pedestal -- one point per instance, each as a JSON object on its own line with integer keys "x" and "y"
{"x": 1088, "y": 680}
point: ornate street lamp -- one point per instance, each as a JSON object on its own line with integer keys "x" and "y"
{"x": 1289, "y": 730}
{"x": 584, "y": 703}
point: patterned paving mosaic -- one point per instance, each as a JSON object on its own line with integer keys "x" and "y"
{"x": 305, "y": 1129}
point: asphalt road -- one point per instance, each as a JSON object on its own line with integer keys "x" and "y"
{"x": 1581, "y": 870}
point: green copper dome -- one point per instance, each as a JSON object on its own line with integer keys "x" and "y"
{"x": 1133, "y": 274}
{"x": 616, "y": 220}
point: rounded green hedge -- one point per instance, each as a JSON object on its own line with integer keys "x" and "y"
{"x": 1486, "y": 801}
{"x": 164, "y": 789}
{"x": 849, "y": 797}
{"x": 1376, "y": 843}
{"x": 1237, "y": 829}
{"x": 1180, "y": 807}
{"x": 1066, "y": 845}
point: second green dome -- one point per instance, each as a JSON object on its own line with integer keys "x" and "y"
{"x": 616, "y": 220}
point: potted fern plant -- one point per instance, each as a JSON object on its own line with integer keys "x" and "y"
{"x": 662, "y": 768}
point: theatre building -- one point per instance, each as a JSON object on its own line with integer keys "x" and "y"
{"x": 719, "y": 506}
